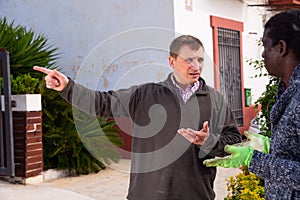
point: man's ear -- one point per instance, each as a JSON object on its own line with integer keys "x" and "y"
{"x": 171, "y": 61}
{"x": 283, "y": 47}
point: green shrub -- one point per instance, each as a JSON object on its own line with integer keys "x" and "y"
{"x": 267, "y": 98}
{"x": 245, "y": 186}
{"x": 22, "y": 84}
{"x": 64, "y": 148}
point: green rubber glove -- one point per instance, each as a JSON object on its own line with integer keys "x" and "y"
{"x": 258, "y": 142}
{"x": 239, "y": 156}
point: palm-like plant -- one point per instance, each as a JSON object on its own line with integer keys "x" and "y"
{"x": 63, "y": 147}
{"x": 26, "y": 49}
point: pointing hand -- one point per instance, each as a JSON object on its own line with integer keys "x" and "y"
{"x": 54, "y": 79}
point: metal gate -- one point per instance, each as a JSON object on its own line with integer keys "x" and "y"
{"x": 230, "y": 71}
{"x": 7, "y": 166}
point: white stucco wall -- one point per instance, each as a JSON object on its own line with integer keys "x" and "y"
{"x": 197, "y": 23}
{"x": 109, "y": 45}
{"x": 83, "y": 28}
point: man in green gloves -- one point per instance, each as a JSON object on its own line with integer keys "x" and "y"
{"x": 279, "y": 167}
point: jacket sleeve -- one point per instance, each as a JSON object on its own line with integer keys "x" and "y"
{"x": 281, "y": 170}
{"x": 96, "y": 103}
{"x": 223, "y": 127}
{"x": 277, "y": 170}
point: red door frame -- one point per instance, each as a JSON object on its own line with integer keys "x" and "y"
{"x": 285, "y": 2}
{"x": 216, "y": 22}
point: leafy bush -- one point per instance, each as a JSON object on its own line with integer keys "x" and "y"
{"x": 63, "y": 148}
{"x": 245, "y": 186}
{"x": 267, "y": 98}
{"x": 22, "y": 84}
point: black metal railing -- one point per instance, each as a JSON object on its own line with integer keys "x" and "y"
{"x": 7, "y": 166}
{"x": 230, "y": 70}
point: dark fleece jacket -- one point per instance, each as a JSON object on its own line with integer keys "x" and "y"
{"x": 165, "y": 166}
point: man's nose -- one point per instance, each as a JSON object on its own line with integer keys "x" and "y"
{"x": 196, "y": 64}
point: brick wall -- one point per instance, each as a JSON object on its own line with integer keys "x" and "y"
{"x": 28, "y": 146}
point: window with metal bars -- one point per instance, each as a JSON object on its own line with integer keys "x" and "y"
{"x": 230, "y": 70}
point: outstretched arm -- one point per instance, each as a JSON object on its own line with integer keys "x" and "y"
{"x": 95, "y": 103}
{"x": 54, "y": 79}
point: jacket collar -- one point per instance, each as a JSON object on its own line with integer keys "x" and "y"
{"x": 284, "y": 95}
{"x": 203, "y": 89}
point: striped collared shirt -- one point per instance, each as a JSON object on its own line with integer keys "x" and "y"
{"x": 188, "y": 92}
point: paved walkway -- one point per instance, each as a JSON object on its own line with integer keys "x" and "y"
{"x": 108, "y": 184}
